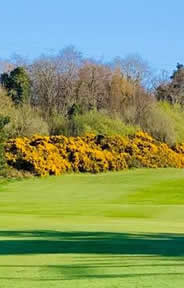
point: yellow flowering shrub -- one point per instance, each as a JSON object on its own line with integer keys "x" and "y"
{"x": 153, "y": 154}
{"x": 55, "y": 155}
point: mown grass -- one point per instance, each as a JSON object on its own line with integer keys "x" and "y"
{"x": 120, "y": 229}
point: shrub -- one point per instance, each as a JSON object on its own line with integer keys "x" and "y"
{"x": 159, "y": 124}
{"x": 24, "y": 120}
{"x": 57, "y": 124}
{"x": 176, "y": 114}
{"x": 152, "y": 154}
{"x": 58, "y": 154}
{"x": 165, "y": 122}
{"x": 92, "y": 122}
{"x": 98, "y": 123}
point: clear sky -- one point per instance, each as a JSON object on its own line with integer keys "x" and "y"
{"x": 99, "y": 28}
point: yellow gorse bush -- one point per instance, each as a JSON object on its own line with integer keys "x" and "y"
{"x": 55, "y": 155}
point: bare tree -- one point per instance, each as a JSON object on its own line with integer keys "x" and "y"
{"x": 68, "y": 62}
{"x": 44, "y": 81}
{"x": 160, "y": 78}
{"x": 128, "y": 98}
{"x": 54, "y": 80}
{"x": 93, "y": 86}
{"x": 134, "y": 67}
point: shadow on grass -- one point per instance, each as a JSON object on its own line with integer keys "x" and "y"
{"x": 53, "y": 242}
{"x": 97, "y": 276}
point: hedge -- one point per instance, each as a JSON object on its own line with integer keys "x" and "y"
{"x": 55, "y": 155}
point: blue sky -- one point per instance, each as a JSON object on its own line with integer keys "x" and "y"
{"x": 99, "y": 28}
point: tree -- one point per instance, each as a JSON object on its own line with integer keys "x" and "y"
{"x": 44, "y": 79}
{"x": 128, "y": 98}
{"x": 53, "y": 80}
{"x": 160, "y": 78}
{"x": 173, "y": 91}
{"x": 135, "y": 67}
{"x": 69, "y": 61}
{"x": 17, "y": 83}
{"x": 93, "y": 85}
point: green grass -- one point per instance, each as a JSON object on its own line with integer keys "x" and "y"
{"x": 121, "y": 229}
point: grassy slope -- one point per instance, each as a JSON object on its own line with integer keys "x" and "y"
{"x": 112, "y": 230}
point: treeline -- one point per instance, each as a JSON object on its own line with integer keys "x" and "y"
{"x": 71, "y": 95}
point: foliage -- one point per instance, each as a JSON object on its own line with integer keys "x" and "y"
{"x": 158, "y": 123}
{"x": 175, "y": 113}
{"x": 17, "y": 84}
{"x": 57, "y": 124}
{"x": 10, "y": 173}
{"x": 28, "y": 121}
{"x": 58, "y": 154}
{"x": 4, "y": 120}
{"x": 101, "y": 123}
{"x": 25, "y": 120}
{"x": 92, "y": 122}
{"x": 74, "y": 110}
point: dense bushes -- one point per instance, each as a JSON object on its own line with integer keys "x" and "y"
{"x": 175, "y": 113}
{"x": 27, "y": 121}
{"x": 101, "y": 123}
{"x": 24, "y": 119}
{"x": 92, "y": 122}
{"x": 58, "y": 154}
{"x": 158, "y": 123}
